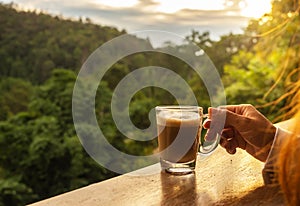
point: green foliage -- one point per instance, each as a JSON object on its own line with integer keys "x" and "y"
{"x": 40, "y": 147}
{"x": 15, "y": 96}
{"x": 221, "y": 51}
{"x": 247, "y": 80}
{"x": 262, "y": 75}
{"x": 15, "y": 193}
{"x": 33, "y": 44}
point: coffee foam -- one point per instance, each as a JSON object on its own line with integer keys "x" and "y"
{"x": 175, "y": 118}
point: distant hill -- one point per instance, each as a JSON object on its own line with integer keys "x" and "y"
{"x": 33, "y": 43}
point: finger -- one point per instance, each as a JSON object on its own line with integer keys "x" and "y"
{"x": 231, "y": 146}
{"x": 228, "y": 145}
{"x": 236, "y": 140}
{"x": 223, "y": 142}
{"x": 231, "y": 151}
{"x": 206, "y": 123}
{"x": 222, "y": 118}
{"x": 231, "y": 136}
{"x": 210, "y": 135}
{"x": 238, "y": 109}
{"x": 227, "y": 133}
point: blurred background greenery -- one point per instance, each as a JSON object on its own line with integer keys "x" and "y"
{"x": 40, "y": 55}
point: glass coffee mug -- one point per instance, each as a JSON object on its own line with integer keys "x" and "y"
{"x": 179, "y": 138}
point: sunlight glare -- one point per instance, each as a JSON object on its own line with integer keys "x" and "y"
{"x": 256, "y": 8}
{"x": 167, "y": 6}
{"x": 117, "y": 3}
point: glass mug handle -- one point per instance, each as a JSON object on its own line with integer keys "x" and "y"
{"x": 207, "y": 147}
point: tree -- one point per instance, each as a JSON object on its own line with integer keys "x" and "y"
{"x": 15, "y": 96}
{"x": 262, "y": 75}
{"x": 43, "y": 140}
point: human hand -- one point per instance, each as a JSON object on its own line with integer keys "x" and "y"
{"x": 242, "y": 127}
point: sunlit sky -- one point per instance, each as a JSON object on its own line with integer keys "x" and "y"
{"x": 219, "y": 17}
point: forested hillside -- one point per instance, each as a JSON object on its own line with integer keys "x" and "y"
{"x": 33, "y": 44}
{"x": 40, "y": 56}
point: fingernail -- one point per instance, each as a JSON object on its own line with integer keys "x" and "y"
{"x": 206, "y": 123}
{"x": 232, "y": 151}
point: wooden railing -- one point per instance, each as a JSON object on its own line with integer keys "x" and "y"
{"x": 220, "y": 179}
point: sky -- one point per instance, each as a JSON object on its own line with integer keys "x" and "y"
{"x": 219, "y": 17}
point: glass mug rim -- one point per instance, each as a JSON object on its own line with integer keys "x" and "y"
{"x": 187, "y": 108}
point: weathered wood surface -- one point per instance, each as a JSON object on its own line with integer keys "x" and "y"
{"x": 219, "y": 179}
